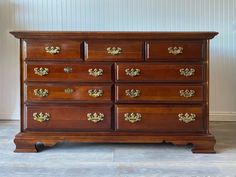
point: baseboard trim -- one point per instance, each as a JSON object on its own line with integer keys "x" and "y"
{"x": 214, "y": 116}
{"x": 222, "y": 116}
{"x": 6, "y": 116}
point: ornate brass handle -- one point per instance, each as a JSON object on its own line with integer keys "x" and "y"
{"x": 95, "y": 93}
{"x": 95, "y": 117}
{"x": 132, "y": 72}
{"x": 187, "y": 93}
{"x": 68, "y": 90}
{"x": 41, "y": 117}
{"x": 68, "y": 69}
{"x": 132, "y": 93}
{"x": 175, "y": 50}
{"x": 95, "y": 72}
{"x": 114, "y": 50}
{"x": 187, "y": 117}
{"x": 187, "y": 72}
{"x": 52, "y": 50}
{"x": 132, "y": 117}
{"x": 41, "y": 71}
{"x": 41, "y": 92}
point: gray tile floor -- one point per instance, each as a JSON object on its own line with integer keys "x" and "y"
{"x": 119, "y": 160}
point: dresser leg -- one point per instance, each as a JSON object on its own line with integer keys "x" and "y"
{"x": 24, "y": 146}
{"x": 204, "y": 147}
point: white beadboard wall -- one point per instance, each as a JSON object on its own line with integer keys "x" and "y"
{"x": 123, "y": 15}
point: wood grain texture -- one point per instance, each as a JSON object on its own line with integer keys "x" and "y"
{"x": 64, "y": 114}
{"x": 159, "y": 72}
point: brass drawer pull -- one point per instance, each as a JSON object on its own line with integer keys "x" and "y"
{"x": 132, "y": 93}
{"x": 114, "y": 50}
{"x": 41, "y": 71}
{"x": 187, "y": 72}
{"x": 95, "y": 93}
{"x": 68, "y": 90}
{"x": 132, "y": 72}
{"x": 175, "y": 50}
{"x": 52, "y": 50}
{"x": 132, "y": 117}
{"x": 95, "y": 117}
{"x": 68, "y": 69}
{"x": 41, "y": 92}
{"x": 95, "y": 72}
{"x": 187, "y": 117}
{"x": 187, "y": 93}
{"x": 41, "y": 117}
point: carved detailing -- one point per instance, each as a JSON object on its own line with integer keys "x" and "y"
{"x": 41, "y": 92}
{"x": 95, "y": 72}
{"x": 132, "y": 93}
{"x": 187, "y": 117}
{"x": 52, "y": 50}
{"x": 95, "y": 93}
{"x": 41, "y": 117}
{"x": 132, "y": 117}
{"x": 95, "y": 117}
{"x": 187, "y": 93}
{"x": 187, "y": 72}
{"x": 175, "y": 50}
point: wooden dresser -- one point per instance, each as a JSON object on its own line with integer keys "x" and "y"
{"x": 122, "y": 87}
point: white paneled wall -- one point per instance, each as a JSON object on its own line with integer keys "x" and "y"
{"x": 123, "y": 15}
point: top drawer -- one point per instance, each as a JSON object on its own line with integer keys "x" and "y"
{"x": 175, "y": 50}
{"x": 53, "y": 49}
{"x": 111, "y": 50}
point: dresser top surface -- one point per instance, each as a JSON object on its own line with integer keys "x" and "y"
{"x": 113, "y": 35}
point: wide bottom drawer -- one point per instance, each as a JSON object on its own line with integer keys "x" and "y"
{"x": 68, "y": 118}
{"x": 160, "y": 118}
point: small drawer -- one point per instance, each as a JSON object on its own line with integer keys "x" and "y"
{"x": 148, "y": 72}
{"x": 64, "y": 72}
{"x": 68, "y": 118}
{"x": 78, "y": 93}
{"x": 158, "y": 118}
{"x": 159, "y": 93}
{"x": 111, "y": 50}
{"x": 175, "y": 50}
{"x": 53, "y": 49}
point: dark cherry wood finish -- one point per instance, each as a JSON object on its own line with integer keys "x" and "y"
{"x": 192, "y": 50}
{"x": 159, "y": 81}
{"x": 79, "y": 72}
{"x": 130, "y": 50}
{"x": 79, "y": 93}
{"x": 155, "y": 118}
{"x": 69, "y": 49}
{"x": 69, "y": 118}
{"x": 158, "y": 93}
{"x": 159, "y": 72}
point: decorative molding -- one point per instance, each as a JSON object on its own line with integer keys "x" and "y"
{"x": 223, "y": 116}
{"x": 214, "y": 116}
{"x": 9, "y": 116}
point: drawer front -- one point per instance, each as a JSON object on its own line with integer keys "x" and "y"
{"x": 146, "y": 72}
{"x": 81, "y": 93}
{"x": 159, "y": 93}
{"x": 157, "y": 118}
{"x": 68, "y": 118}
{"x": 69, "y": 72}
{"x": 175, "y": 50}
{"x": 112, "y": 50}
{"x": 53, "y": 49}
